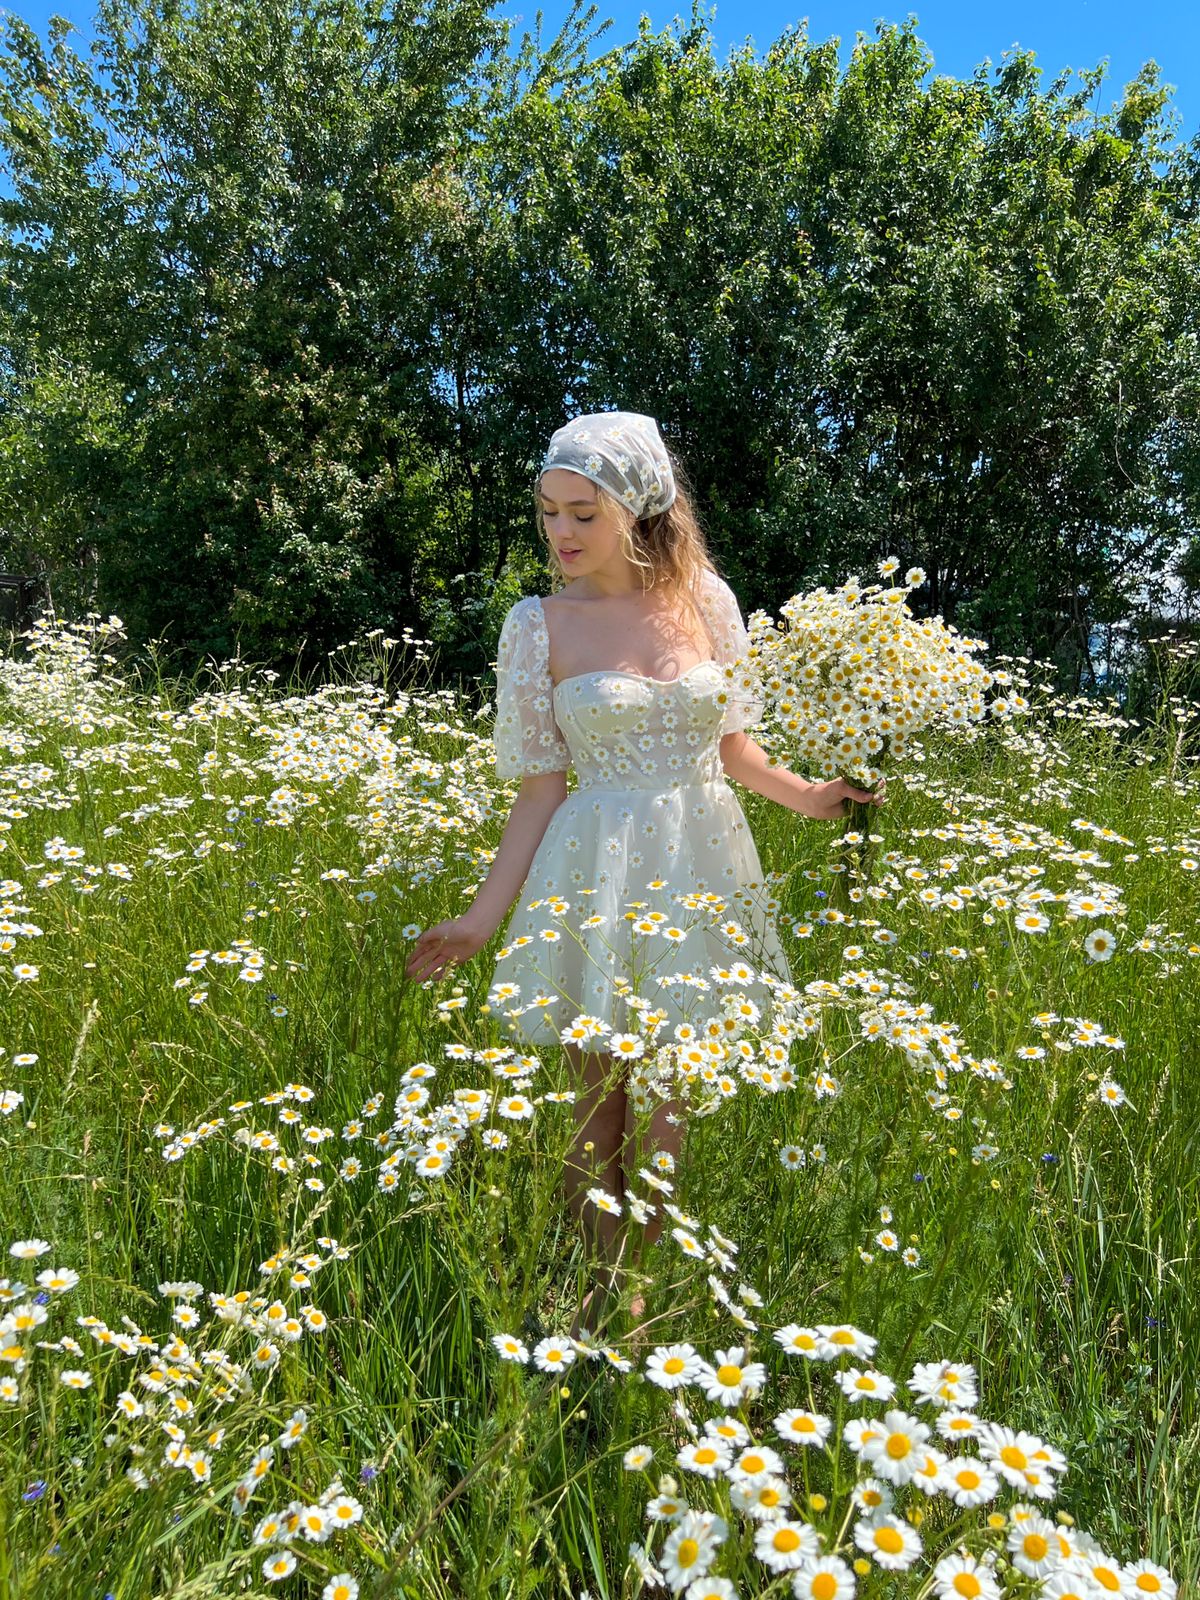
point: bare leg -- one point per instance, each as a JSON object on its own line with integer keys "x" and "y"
{"x": 595, "y": 1159}
{"x": 662, "y": 1134}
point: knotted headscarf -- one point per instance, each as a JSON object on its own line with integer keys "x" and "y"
{"x": 623, "y": 452}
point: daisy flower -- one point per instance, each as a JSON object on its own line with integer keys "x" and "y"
{"x": 510, "y": 1348}
{"x": 823, "y": 1578}
{"x": 895, "y": 1545}
{"x": 784, "y": 1545}
{"x": 1011, "y": 1454}
{"x": 856, "y": 1384}
{"x": 707, "y": 1457}
{"x": 1145, "y": 1578}
{"x": 798, "y": 1341}
{"x": 873, "y": 1495}
{"x": 764, "y": 1498}
{"x": 279, "y": 1566}
{"x": 969, "y": 1482}
{"x": 340, "y": 1587}
{"x": 673, "y": 1366}
{"x": 1034, "y": 1548}
{"x": 731, "y": 1378}
{"x": 754, "y": 1460}
{"x": 553, "y": 1355}
{"x": 962, "y": 1577}
{"x": 691, "y": 1547}
{"x": 840, "y": 1339}
{"x": 637, "y": 1458}
{"x": 802, "y": 1427}
{"x": 896, "y": 1454}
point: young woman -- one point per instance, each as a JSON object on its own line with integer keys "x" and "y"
{"x": 620, "y": 674}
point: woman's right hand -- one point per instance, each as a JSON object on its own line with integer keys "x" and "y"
{"x": 446, "y": 944}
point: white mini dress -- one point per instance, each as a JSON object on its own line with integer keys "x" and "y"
{"x": 648, "y": 869}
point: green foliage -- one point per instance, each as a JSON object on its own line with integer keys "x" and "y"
{"x": 290, "y": 303}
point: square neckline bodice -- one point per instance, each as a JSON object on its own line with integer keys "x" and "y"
{"x": 613, "y": 672}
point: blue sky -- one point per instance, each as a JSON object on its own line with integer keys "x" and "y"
{"x": 959, "y": 35}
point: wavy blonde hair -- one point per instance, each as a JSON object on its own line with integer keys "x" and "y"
{"x": 668, "y": 547}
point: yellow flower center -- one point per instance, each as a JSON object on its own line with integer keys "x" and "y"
{"x": 1107, "y": 1579}
{"x": 824, "y": 1586}
{"x": 785, "y": 1540}
{"x": 687, "y": 1553}
{"x": 889, "y": 1540}
{"x": 729, "y": 1375}
{"x": 768, "y": 1497}
{"x": 898, "y": 1446}
{"x": 1012, "y": 1457}
{"x": 706, "y": 1455}
{"x": 753, "y": 1464}
{"x": 967, "y": 1479}
{"x": 804, "y": 1425}
{"x": 966, "y": 1583}
{"x": 1148, "y": 1583}
{"x": 865, "y": 1382}
{"x": 1035, "y": 1546}
{"x": 804, "y": 1341}
{"x": 673, "y": 1364}
{"x": 841, "y": 1336}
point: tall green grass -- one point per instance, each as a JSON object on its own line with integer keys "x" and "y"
{"x": 317, "y": 826}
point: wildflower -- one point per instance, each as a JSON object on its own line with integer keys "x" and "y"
{"x": 872, "y": 1495}
{"x": 798, "y": 1341}
{"x": 802, "y": 1427}
{"x": 58, "y": 1280}
{"x": 865, "y": 1385}
{"x": 843, "y": 1340}
{"x": 552, "y": 1355}
{"x": 510, "y": 1348}
{"x": 295, "y": 1430}
{"x": 969, "y": 1482}
{"x": 823, "y": 1578}
{"x": 340, "y": 1587}
{"x": 944, "y": 1383}
{"x": 314, "y": 1524}
{"x": 763, "y": 1497}
{"x": 278, "y": 1567}
{"x": 343, "y": 1511}
{"x": 963, "y": 1577}
{"x": 753, "y": 1461}
{"x": 665, "y": 1507}
{"x": 792, "y": 1156}
{"x": 1011, "y": 1454}
{"x": 1100, "y": 944}
{"x": 637, "y": 1458}
{"x": 784, "y": 1545}
{"x": 895, "y": 1453}
{"x": 75, "y": 1379}
{"x": 1145, "y": 1578}
{"x": 707, "y": 1588}
{"x": 691, "y": 1547}
{"x": 27, "y": 1249}
{"x": 732, "y": 1378}
{"x": 1111, "y": 1093}
{"x": 1033, "y": 1547}
{"x": 673, "y": 1366}
{"x": 895, "y": 1545}
{"x": 706, "y": 1457}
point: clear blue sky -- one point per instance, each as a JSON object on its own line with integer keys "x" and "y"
{"x": 959, "y": 33}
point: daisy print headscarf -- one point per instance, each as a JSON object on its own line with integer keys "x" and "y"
{"x": 623, "y": 452}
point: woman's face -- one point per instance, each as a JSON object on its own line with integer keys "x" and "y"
{"x": 579, "y": 535}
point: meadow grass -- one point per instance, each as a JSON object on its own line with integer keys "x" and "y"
{"x": 209, "y": 894}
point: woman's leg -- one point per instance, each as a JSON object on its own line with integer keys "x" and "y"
{"x": 595, "y": 1160}
{"x": 665, "y": 1132}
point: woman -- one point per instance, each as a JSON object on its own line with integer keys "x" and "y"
{"x": 621, "y": 674}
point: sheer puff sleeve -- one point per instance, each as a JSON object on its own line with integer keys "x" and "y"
{"x": 527, "y": 738}
{"x": 731, "y": 644}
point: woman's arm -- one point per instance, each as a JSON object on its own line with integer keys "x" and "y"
{"x": 747, "y": 763}
{"x": 538, "y": 800}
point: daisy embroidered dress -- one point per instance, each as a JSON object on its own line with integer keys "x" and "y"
{"x": 647, "y": 870}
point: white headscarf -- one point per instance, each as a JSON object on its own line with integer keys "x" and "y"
{"x": 622, "y": 451}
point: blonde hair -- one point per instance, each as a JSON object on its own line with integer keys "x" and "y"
{"x": 668, "y": 547}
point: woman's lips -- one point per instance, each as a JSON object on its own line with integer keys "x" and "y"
{"x": 568, "y": 555}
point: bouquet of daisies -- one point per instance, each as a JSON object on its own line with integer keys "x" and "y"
{"x": 850, "y": 677}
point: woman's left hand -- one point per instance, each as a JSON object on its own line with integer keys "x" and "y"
{"x": 828, "y": 801}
